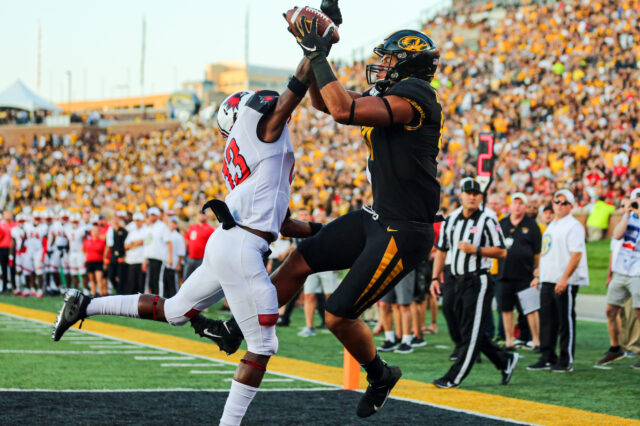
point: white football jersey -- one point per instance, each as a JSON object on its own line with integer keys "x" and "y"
{"x": 258, "y": 174}
{"x": 19, "y": 236}
{"x": 33, "y": 240}
{"x": 76, "y": 236}
{"x": 57, "y": 230}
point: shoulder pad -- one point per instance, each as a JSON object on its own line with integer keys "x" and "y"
{"x": 371, "y": 92}
{"x": 263, "y": 101}
{"x": 415, "y": 89}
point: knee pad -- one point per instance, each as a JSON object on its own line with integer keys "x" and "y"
{"x": 175, "y": 313}
{"x": 266, "y": 344}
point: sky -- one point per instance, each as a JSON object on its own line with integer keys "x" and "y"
{"x": 100, "y": 42}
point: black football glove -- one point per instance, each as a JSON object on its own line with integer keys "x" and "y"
{"x": 313, "y": 44}
{"x": 331, "y": 9}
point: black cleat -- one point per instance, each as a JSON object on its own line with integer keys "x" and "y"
{"x": 73, "y": 310}
{"x": 444, "y": 383}
{"x": 226, "y": 335}
{"x": 377, "y": 392}
{"x": 508, "y": 371}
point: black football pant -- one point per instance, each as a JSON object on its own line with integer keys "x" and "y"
{"x": 558, "y": 319}
{"x": 377, "y": 252}
{"x": 474, "y": 295}
{"x": 154, "y": 275}
{"x": 451, "y": 309}
{"x": 170, "y": 282}
{"x": 117, "y": 273}
{"x": 135, "y": 279}
{"x": 4, "y": 264}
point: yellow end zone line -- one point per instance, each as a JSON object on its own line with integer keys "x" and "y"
{"x": 456, "y": 399}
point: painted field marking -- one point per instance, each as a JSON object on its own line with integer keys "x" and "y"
{"x": 81, "y": 339}
{"x": 456, "y": 400}
{"x": 211, "y": 372}
{"x": 167, "y": 390}
{"x": 195, "y": 364}
{"x": 602, "y": 367}
{"x": 110, "y": 347}
{"x": 62, "y": 352}
{"x": 269, "y": 380}
{"x": 106, "y": 342}
{"x": 163, "y": 358}
{"x": 441, "y": 347}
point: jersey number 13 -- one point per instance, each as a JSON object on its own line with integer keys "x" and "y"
{"x": 233, "y": 157}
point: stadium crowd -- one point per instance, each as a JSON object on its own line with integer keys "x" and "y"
{"x": 557, "y": 84}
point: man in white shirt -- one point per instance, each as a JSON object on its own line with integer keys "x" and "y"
{"x": 563, "y": 270}
{"x": 155, "y": 251}
{"x": 134, "y": 255}
{"x": 625, "y": 280}
{"x": 175, "y": 245}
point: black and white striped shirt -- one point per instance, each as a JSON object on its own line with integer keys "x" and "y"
{"x": 480, "y": 229}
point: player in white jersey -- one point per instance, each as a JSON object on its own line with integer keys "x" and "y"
{"x": 18, "y": 237}
{"x": 76, "y": 234}
{"x": 56, "y": 243}
{"x": 33, "y": 261}
{"x": 258, "y": 170}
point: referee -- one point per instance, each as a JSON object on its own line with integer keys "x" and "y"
{"x": 472, "y": 237}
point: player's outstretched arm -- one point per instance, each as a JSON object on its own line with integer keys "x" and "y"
{"x": 271, "y": 125}
{"x": 316, "y": 98}
{"x": 368, "y": 110}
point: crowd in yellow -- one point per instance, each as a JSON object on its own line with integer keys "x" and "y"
{"x": 557, "y": 84}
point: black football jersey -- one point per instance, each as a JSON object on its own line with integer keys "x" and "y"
{"x": 402, "y": 164}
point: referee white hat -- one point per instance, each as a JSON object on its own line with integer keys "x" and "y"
{"x": 567, "y": 194}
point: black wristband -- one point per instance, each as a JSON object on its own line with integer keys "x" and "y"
{"x": 297, "y": 87}
{"x": 322, "y": 71}
{"x": 315, "y": 227}
{"x": 435, "y": 279}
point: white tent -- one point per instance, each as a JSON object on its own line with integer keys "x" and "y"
{"x": 20, "y": 96}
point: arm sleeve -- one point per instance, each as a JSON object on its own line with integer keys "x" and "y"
{"x": 493, "y": 232}
{"x": 575, "y": 238}
{"x": 443, "y": 241}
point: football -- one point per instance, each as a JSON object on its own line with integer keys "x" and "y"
{"x": 294, "y": 18}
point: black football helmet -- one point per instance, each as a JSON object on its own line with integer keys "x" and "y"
{"x": 417, "y": 54}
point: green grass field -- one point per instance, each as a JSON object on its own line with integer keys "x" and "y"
{"x": 598, "y": 260}
{"x": 612, "y": 391}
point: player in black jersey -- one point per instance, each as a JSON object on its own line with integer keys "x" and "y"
{"x": 401, "y": 123}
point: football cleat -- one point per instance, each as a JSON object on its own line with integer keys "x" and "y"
{"x": 73, "y": 310}
{"x": 508, "y": 371}
{"x": 226, "y": 335}
{"x": 377, "y": 392}
{"x": 443, "y": 383}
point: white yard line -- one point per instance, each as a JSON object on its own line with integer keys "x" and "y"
{"x": 61, "y": 352}
{"x": 211, "y": 372}
{"x": 163, "y": 358}
{"x": 186, "y": 364}
{"x": 163, "y": 390}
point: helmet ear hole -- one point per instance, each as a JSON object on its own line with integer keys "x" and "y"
{"x": 229, "y": 110}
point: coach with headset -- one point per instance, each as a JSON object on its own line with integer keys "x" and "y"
{"x": 473, "y": 238}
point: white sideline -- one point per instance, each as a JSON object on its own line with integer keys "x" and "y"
{"x": 211, "y": 372}
{"x": 186, "y": 364}
{"x": 53, "y": 352}
{"x": 163, "y": 390}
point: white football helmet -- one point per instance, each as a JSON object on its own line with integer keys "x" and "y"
{"x": 228, "y": 111}
{"x": 75, "y": 217}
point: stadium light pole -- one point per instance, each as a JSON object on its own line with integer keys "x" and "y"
{"x": 69, "y": 87}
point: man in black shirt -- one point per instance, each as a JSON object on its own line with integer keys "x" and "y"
{"x": 515, "y": 272}
{"x": 117, "y": 270}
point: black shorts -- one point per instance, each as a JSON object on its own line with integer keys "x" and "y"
{"x": 93, "y": 266}
{"x": 379, "y": 253}
{"x": 509, "y": 294}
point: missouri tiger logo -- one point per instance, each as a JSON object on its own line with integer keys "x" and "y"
{"x": 546, "y": 244}
{"x": 413, "y": 44}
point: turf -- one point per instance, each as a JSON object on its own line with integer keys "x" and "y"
{"x": 598, "y": 259}
{"x": 613, "y": 391}
{"x": 180, "y": 408}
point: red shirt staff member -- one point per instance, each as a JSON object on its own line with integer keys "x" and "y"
{"x": 196, "y": 239}
{"x": 94, "y": 249}
{"x": 5, "y": 244}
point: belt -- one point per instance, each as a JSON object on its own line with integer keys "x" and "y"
{"x": 224, "y": 216}
{"x": 470, "y": 275}
{"x": 267, "y": 236}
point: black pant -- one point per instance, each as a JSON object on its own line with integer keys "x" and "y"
{"x": 558, "y": 319}
{"x": 116, "y": 272}
{"x": 377, "y": 252}
{"x": 475, "y": 295}
{"x": 190, "y": 265}
{"x": 4, "y": 264}
{"x": 135, "y": 279}
{"x": 154, "y": 275}
{"x": 170, "y": 282}
{"x": 451, "y": 309}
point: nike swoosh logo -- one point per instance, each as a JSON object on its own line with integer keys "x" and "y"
{"x": 308, "y": 48}
{"x": 389, "y": 229}
{"x": 207, "y": 333}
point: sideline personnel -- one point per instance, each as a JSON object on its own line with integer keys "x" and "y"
{"x": 563, "y": 269}
{"x": 474, "y": 238}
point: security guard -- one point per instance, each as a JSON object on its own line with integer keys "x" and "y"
{"x": 473, "y": 237}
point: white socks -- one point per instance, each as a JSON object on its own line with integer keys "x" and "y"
{"x": 407, "y": 339}
{"x": 390, "y": 336}
{"x": 238, "y": 401}
{"x": 124, "y": 306}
